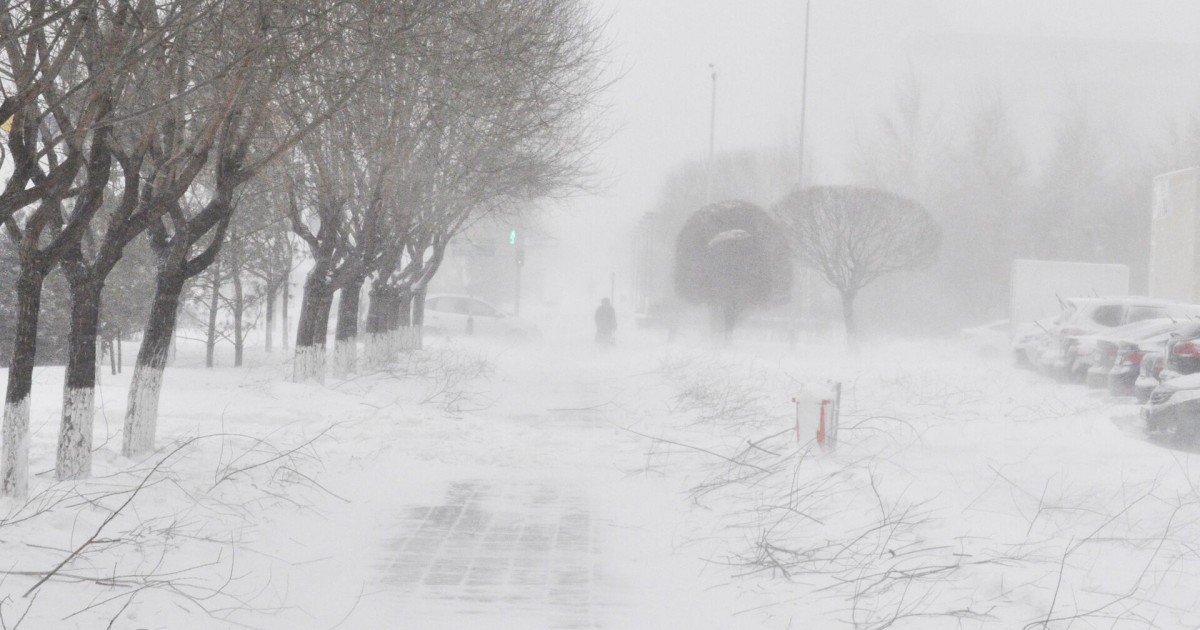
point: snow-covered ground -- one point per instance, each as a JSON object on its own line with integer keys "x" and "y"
{"x": 559, "y": 485}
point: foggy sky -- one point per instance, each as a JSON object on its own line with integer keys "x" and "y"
{"x": 1135, "y": 61}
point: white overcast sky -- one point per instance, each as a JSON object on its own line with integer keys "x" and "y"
{"x": 1137, "y": 57}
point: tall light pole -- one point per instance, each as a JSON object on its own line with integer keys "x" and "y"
{"x": 712, "y": 133}
{"x": 804, "y": 90}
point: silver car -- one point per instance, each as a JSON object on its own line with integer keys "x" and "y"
{"x": 1174, "y": 407}
{"x": 467, "y": 315}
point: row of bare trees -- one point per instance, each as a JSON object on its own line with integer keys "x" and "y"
{"x": 378, "y": 193}
{"x": 375, "y": 129}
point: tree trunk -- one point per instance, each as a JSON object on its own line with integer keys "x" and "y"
{"x": 112, "y": 354}
{"x": 239, "y": 304}
{"x": 418, "y": 307}
{"x": 74, "y": 458}
{"x": 285, "y": 331}
{"x": 848, "y": 317}
{"x": 272, "y": 290}
{"x": 402, "y": 310}
{"x": 14, "y": 466}
{"x": 210, "y": 343}
{"x": 345, "y": 345}
{"x": 379, "y": 344}
{"x": 141, "y": 414}
{"x": 312, "y": 330}
{"x": 408, "y": 331}
{"x": 120, "y": 357}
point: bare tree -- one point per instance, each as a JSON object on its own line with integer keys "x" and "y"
{"x": 522, "y": 126}
{"x": 902, "y": 151}
{"x": 339, "y": 208}
{"x": 496, "y": 117}
{"x": 73, "y": 127}
{"x": 854, "y": 235}
{"x": 295, "y": 65}
{"x": 988, "y": 173}
{"x": 38, "y": 39}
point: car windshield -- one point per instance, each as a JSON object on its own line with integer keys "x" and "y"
{"x": 1139, "y": 313}
{"x": 483, "y": 308}
{"x": 1107, "y": 315}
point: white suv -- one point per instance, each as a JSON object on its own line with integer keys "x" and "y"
{"x": 1086, "y": 316}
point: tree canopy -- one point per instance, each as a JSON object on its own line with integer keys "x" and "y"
{"x": 732, "y": 256}
{"x": 854, "y": 235}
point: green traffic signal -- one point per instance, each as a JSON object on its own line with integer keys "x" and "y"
{"x": 512, "y": 237}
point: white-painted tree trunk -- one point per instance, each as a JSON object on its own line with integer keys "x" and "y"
{"x": 141, "y": 414}
{"x": 376, "y": 351}
{"x": 74, "y": 459}
{"x": 14, "y": 464}
{"x": 410, "y": 338}
{"x": 309, "y": 364}
{"x": 345, "y": 357}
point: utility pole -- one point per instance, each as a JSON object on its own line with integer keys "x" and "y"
{"x": 712, "y": 132}
{"x": 806, "y": 304}
{"x": 804, "y": 89}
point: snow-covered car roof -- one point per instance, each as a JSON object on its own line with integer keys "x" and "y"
{"x": 458, "y": 295}
{"x": 1125, "y": 300}
{"x": 1134, "y": 331}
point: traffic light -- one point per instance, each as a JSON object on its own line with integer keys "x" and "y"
{"x": 512, "y": 237}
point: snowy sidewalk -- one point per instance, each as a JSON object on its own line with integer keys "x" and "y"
{"x": 526, "y": 515}
{"x": 521, "y": 549}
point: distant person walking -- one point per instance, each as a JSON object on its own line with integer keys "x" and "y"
{"x": 606, "y": 323}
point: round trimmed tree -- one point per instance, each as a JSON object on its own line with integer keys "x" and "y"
{"x": 732, "y": 256}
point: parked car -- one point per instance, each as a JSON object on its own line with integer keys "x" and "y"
{"x": 1148, "y": 376}
{"x": 1029, "y": 341}
{"x": 1182, "y": 355}
{"x": 466, "y": 315}
{"x": 1177, "y": 355}
{"x": 1174, "y": 407}
{"x": 1087, "y": 316}
{"x": 1098, "y": 355}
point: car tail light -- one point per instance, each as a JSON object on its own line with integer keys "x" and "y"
{"x": 1135, "y": 357}
{"x": 1186, "y": 349}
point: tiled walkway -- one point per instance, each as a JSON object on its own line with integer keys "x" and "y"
{"x": 525, "y": 549}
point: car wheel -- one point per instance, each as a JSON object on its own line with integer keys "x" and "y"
{"x": 1078, "y": 377}
{"x": 1061, "y": 374}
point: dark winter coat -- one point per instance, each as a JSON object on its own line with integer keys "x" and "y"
{"x": 606, "y": 322}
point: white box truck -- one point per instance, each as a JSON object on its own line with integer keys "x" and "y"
{"x": 1174, "y": 225}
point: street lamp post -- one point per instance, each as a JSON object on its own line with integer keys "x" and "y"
{"x": 712, "y": 132}
{"x": 804, "y": 90}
